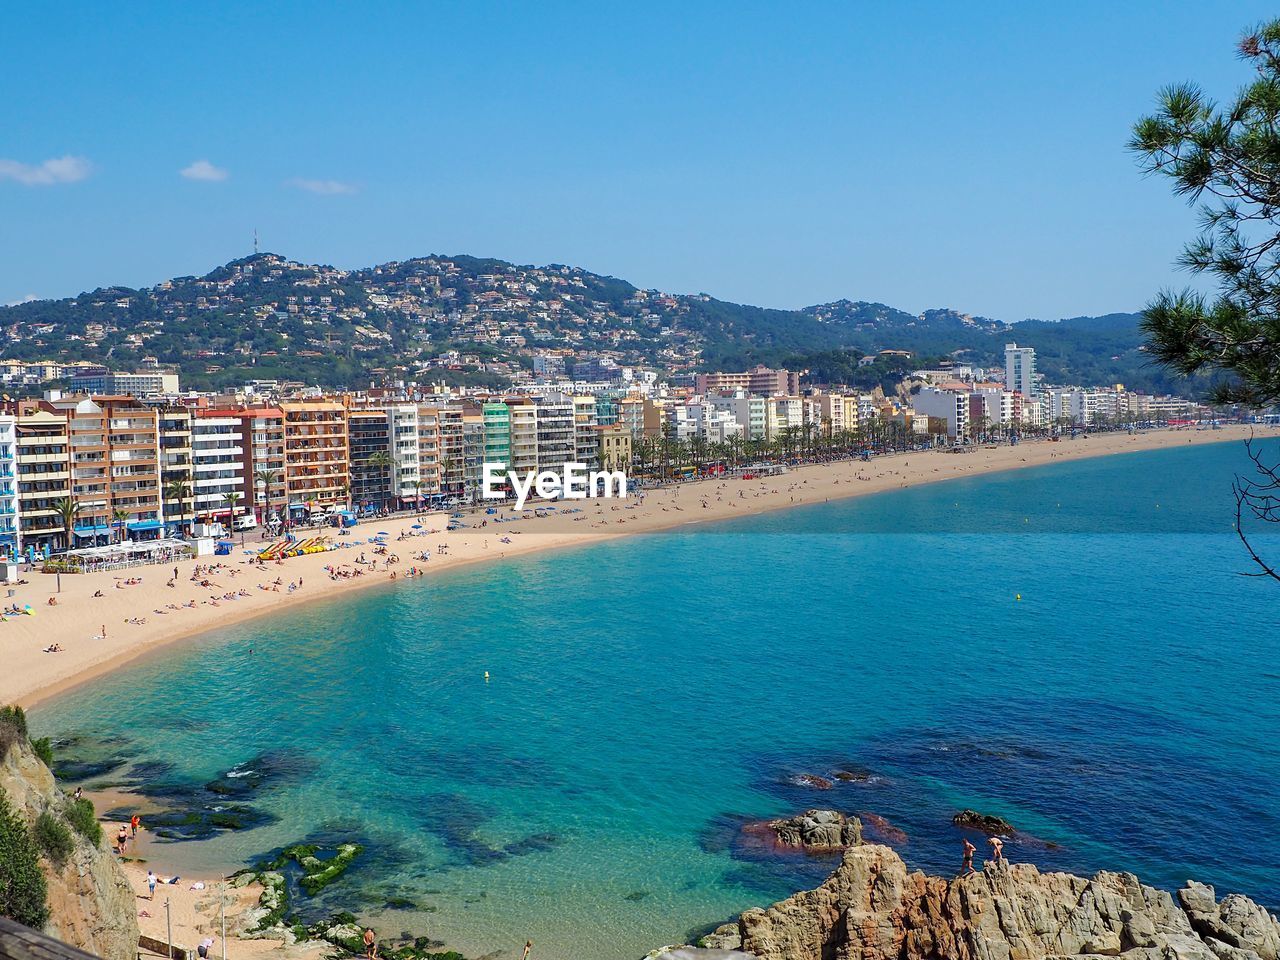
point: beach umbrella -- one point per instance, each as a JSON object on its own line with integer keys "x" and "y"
{"x": 416, "y": 526}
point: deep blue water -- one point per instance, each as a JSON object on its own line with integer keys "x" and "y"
{"x": 648, "y": 694}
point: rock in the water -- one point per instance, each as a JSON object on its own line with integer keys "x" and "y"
{"x": 982, "y": 821}
{"x": 871, "y": 908}
{"x": 817, "y": 830}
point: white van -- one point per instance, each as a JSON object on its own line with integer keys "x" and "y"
{"x": 245, "y": 521}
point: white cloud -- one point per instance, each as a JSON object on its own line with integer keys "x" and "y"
{"x": 328, "y": 187}
{"x": 29, "y": 298}
{"x": 66, "y": 169}
{"x": 204, "y": 170}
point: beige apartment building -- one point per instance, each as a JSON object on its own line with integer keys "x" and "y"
{"x": 115, "y": 466}
{"x": 317, "y": 470}
{"x": 614, "y": 446}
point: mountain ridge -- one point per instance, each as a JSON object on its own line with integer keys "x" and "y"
{"x": 266, "y": 316}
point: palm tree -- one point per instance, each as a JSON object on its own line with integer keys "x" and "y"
{"x": 382, "y": 462}
{"x": 268, "y": 479}
{"x": 118, "y": 520}
{"x": 787, "y": 435}
{"x": 179, "y": 492}
{"x": 68, "y": 510}
{"x": 232, "y": 499}
{"x": 698, "y": 450}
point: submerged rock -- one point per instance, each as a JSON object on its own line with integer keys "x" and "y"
{"x": 811, "y": 780}
{"x": 882, "y": 830}
{"x": 983, "y": 821}
{"x": 872, "y": 908}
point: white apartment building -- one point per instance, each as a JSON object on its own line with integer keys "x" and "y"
{"x": 749, "y": 413}
{"x": 1020, "y": 369}
{"x": 702, "y": 420}
{"x": 402, "y": 438}
{"x": 999, "y": 405}
{"x": 947, "y": 404}
{"x": 524, "y": 435}
{"x": 217, "y": 466}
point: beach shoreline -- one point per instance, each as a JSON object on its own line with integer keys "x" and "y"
{"x": 79, "y": 619}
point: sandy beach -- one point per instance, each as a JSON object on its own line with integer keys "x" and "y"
{"x": 196, "y": 915}
{"x": 96, "y": 636}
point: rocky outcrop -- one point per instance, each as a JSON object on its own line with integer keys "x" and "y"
{"x": 872, "y": 908}
{"x": 816, "y": 830}
{"x": 983, "y": 821}
{"x": 91, "y": 905}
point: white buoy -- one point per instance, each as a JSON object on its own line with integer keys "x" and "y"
{"x": 486, "y": 676}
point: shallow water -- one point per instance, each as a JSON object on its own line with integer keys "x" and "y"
{"x": 648, "y": 694}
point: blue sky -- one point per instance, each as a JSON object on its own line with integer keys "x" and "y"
{"x": 920, "y": 154}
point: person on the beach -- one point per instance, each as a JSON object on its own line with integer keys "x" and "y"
{"x": 969, "y": 851}
{"x": 134, "y": 821}
{"x": 370, "y": 945}
{"x": 122, "y": 837}
{"x": 997, "y": 849}
{"x": 151, "y": 885}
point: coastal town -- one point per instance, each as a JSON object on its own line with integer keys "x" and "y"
{"x": 127, "y": 457}
{"x": 640, "y": 482}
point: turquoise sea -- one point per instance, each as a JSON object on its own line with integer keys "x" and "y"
{"x": 649, "y": 695}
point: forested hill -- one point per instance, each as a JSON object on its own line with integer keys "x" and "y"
{"x": 479, "y": 320}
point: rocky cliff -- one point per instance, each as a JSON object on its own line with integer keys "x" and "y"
{"x": 91, "y": 905}
{"x": 872, "y": 908}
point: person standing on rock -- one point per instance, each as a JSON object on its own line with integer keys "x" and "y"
{"x": 969, "y": 851}
{"x": 997, "y": 850}
{"x": 370, "y": 944}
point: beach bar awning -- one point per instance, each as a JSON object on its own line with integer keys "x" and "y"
{"x": 128, "y": 550}
{"x": 146, "y": 525}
